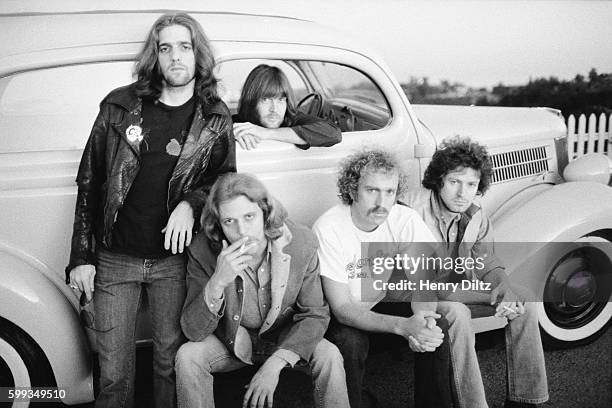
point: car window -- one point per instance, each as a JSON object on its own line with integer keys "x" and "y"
{"x": 51, "y": 109}
{"x": 232, "y": 74}
{"x": 351, "y": 98}
{"x": 339, "y": 93}
{"x": 341, "y": 81}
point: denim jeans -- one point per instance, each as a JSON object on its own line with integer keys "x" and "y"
{"x": 118, "y": 284}
{"x": 526, "y": 372}
{"x": 196, "y": 361}
{"x": 432, "y": 382}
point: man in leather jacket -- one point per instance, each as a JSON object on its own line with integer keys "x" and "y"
{"x": 155, "y": 149}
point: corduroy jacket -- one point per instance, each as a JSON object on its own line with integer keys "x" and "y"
{"x": 298, "y": 315}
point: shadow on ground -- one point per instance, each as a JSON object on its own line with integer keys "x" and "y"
{"x": 579, "y": 377}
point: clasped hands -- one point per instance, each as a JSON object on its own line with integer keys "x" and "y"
{"x": 421, "y": 331}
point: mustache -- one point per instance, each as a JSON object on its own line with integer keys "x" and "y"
{"x": 378, "y": 209}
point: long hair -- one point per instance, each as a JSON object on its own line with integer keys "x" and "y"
{"x": 231, "y": 185}
{"x": 353, "y": 167}
{"x": 264, "y": 81}
{"x": 150, "y": 80}
{"x": 458, "y": 152}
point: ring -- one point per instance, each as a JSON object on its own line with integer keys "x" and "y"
{"x": 74, "y": 286}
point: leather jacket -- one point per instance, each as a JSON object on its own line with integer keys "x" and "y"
{"x": 111, "y": 160}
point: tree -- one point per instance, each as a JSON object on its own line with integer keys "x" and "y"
{"x": 577, "y": 96}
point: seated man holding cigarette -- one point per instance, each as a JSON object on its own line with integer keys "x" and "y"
{"x": 254, "y": 297}
{"x": 458, "y": 173}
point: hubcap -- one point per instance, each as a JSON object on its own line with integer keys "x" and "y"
{"x": 576, "y": 288}
{"x": 580, "y": 289}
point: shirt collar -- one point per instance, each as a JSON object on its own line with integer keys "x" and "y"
{"x": 268, "y": 249}
{"x": 267, "y": 252}
{"x": 440, "y": 210}
{"x": 265, "y": 261}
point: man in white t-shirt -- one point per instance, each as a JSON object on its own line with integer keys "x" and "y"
{"x": 369, "y": 182}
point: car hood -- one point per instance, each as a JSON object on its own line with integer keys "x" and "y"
{"x": 493, "y": 126}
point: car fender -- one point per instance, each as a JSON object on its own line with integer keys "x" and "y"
{"x": 548, "y": 213}
{"x": 31, "y": 301}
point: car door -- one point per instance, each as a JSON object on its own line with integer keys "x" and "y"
{"x": 357, "y": 95}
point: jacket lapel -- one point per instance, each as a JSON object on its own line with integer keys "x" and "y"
{"x": 199, "y": 138}
{"x": 243, "y": 348}
{"x": 280, "y": 266}
{"x": 130, "y": 129}
{"x": 192, "y": 141}
{"x": 470, "y": 229}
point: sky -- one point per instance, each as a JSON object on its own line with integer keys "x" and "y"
{"x": 477, "y": 43}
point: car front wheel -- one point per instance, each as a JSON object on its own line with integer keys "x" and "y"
{"x": 578, "y": 295}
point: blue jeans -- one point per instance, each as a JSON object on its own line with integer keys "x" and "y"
{"x": 118, "y": 284}
{"x": 432, "y": 382}
{"x": 196, "y": 361}
{"x": 526, "y": 372}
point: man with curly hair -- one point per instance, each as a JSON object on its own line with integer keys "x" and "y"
{"x": 458, "y": 174}
{"x": 369, "y": 182}
{"x": 254, "y": 297}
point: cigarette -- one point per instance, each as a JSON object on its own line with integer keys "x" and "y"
{"x": 509, "y": 309}
{"x": 245, "y": 244}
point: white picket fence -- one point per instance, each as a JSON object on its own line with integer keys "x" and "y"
{"x": 590, "y": 136}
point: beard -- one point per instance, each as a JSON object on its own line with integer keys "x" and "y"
{"x": 174, "y": 80}
{"x": 178, "y": 82}
{"x": 272, "y": 122}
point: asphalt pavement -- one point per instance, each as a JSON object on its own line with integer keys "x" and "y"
{"x": 578, "y": 377}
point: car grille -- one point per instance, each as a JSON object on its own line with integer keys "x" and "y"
{"x": 519, "y": 163}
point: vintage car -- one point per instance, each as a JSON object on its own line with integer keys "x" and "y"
{"x": 58, "y": 62}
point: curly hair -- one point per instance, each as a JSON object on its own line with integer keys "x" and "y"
{"x": 264, "y": 81}
{"x": 231, "y": 185}
{"x": 369, "y": 159}
{"x": 457, "y": 152}
{"x": 150, "y": 79}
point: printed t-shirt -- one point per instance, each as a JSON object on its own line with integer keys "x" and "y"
{"x": 340, "y": 249}
{"x": 144, "y": 214}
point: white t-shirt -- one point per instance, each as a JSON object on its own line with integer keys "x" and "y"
{"x": 340, "y": 246}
